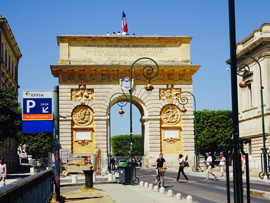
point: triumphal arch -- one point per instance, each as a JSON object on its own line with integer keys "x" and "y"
{"x": 89, "y": 70}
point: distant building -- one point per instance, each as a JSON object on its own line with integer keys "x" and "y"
{"x": 256, "y": 45}
{"x": 9, "y": 60}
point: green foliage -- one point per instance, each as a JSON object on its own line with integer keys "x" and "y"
{"x": 38, "y": 144}
{"x": 121, "y": 145}
{"x": 9, "y": 118}
{"x": 213, "y": 129}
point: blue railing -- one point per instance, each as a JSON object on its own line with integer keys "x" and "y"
{"x": 36, "y": 188}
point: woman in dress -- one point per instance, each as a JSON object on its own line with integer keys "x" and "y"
{"x": 222, "y": 164}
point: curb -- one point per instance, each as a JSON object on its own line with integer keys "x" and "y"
{"x": 81, "y": 184}
{"x": 258, "y": 193}
{"x": 169, "y": 193}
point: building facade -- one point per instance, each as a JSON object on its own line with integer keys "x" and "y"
{"x": 10, "y": 55}
{"x": 256, "y": 45}
{"x": 89, "y": 70}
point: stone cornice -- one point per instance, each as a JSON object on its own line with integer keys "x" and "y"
{"x": 160, "y": 38}
{"x": 10, "y": 38}
{"x": 56, "y": 69}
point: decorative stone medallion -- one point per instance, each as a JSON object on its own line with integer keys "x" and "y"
{"x": 82, "y": 115}
{"x": 170, "y": 114}
{"x": 82, "y": 94}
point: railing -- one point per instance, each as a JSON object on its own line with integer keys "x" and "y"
{"x": 36, "y": 188}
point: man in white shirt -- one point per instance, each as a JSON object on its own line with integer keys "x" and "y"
{"x": 208, "y": 162}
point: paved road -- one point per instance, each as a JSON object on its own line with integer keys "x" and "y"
{"x": 202, "y": 191}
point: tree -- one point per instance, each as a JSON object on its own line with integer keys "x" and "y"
{"x": 38, "y": 144}
{"x": 213, "y": 129}
{"x": 9, "y": 117}
{"x": 121, "y": 145}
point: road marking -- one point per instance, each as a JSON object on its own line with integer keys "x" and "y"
{"x": 222, "y": 188}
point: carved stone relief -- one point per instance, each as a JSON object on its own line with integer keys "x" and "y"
{"x": 82, "y": 94}
{"x": 171, "y": 140}
{"x": 83, "y": 142}
{"x": 82, "y": 115}
{"x": 169, "y": 93}
{"x": 170, "y": 114}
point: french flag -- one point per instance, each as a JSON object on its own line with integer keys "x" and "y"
{"x": 124, "y": 22}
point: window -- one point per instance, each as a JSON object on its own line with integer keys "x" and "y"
{"x": 249, "y": 148}
{"x": 250, "y": 95}
{"x": 6, "y": 57}
{"x": 2, "y": 51}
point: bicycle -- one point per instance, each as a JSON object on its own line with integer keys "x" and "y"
{"x": 160, "y": 177}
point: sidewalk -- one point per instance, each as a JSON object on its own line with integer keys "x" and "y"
{"x": 118, "y": 193}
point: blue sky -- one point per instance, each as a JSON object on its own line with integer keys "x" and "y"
{"x": 35, "y": 25}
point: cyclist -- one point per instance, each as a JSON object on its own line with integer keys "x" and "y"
{"x": 159, "y": 164}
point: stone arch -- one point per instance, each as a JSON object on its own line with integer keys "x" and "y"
{"x": 142, "y": 109}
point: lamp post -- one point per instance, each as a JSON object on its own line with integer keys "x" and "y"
{"x": 150, "y": 74}
{"x": 183, "y": 101}
{"x": 237, "y": 170}
{"x": 120, "y": 103}
{"x": 243, "y": 71}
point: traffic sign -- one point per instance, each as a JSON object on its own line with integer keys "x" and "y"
{"x": 37, "y": 105}
{"x": 37, "y": 114}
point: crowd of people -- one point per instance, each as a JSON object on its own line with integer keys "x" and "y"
{"x": 209, "y": 162}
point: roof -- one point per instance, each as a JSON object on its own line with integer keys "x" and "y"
{"x": 6, "y": 28}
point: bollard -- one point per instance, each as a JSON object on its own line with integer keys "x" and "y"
{"x": 170, "y": 193}
{"x": 146, "y": 184}
{"x": 88, "y": 178}
{"x": 156, "y": 188}
{"x": 94, "y": 177}
{"x": 189, "y": 199}
{"x": 179, "y": 196}
{"x": 74, "y": 179}
{"x": 141, "y": 183}
{"x": 162, "y": 190}
{"x": 114, "y": 178}
{"x": 110, "y": 177}
{"x": 150, "y": 186}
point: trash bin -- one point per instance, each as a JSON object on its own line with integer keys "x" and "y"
{"x": 124, "y": 174}
{"x": 88, "y": 178}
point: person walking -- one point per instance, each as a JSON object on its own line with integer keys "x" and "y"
{"x": 222, "y": 164}
{"x": 181, "y": 161}
{"x": 113, "y": 163}
{"x": 3, "y": 172}
{"x": 209, "y": 163}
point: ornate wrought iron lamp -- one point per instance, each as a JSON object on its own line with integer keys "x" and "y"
{"x": 120, "y": 102}
{"x": 244, "y": 70}
{"x": 183, "y": 100}
{"x": 149, "y": 73}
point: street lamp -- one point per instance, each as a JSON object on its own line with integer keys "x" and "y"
{"x": 120, "y": 103}
{"x": 183, "y": 101}
{"x": 243, "y": 71}
{"x": 150, "y": 74}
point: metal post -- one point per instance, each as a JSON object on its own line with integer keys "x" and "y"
{"x": 184, "y": 101}
{"x": 237, "y": 171}
{"x": 149, "y": 70}
{"x": 110, "y": 136}
{"x": 245, "y": 69}
{"x": 56, "y": 143}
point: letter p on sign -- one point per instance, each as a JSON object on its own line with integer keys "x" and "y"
{"x": 30, "y": 104}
